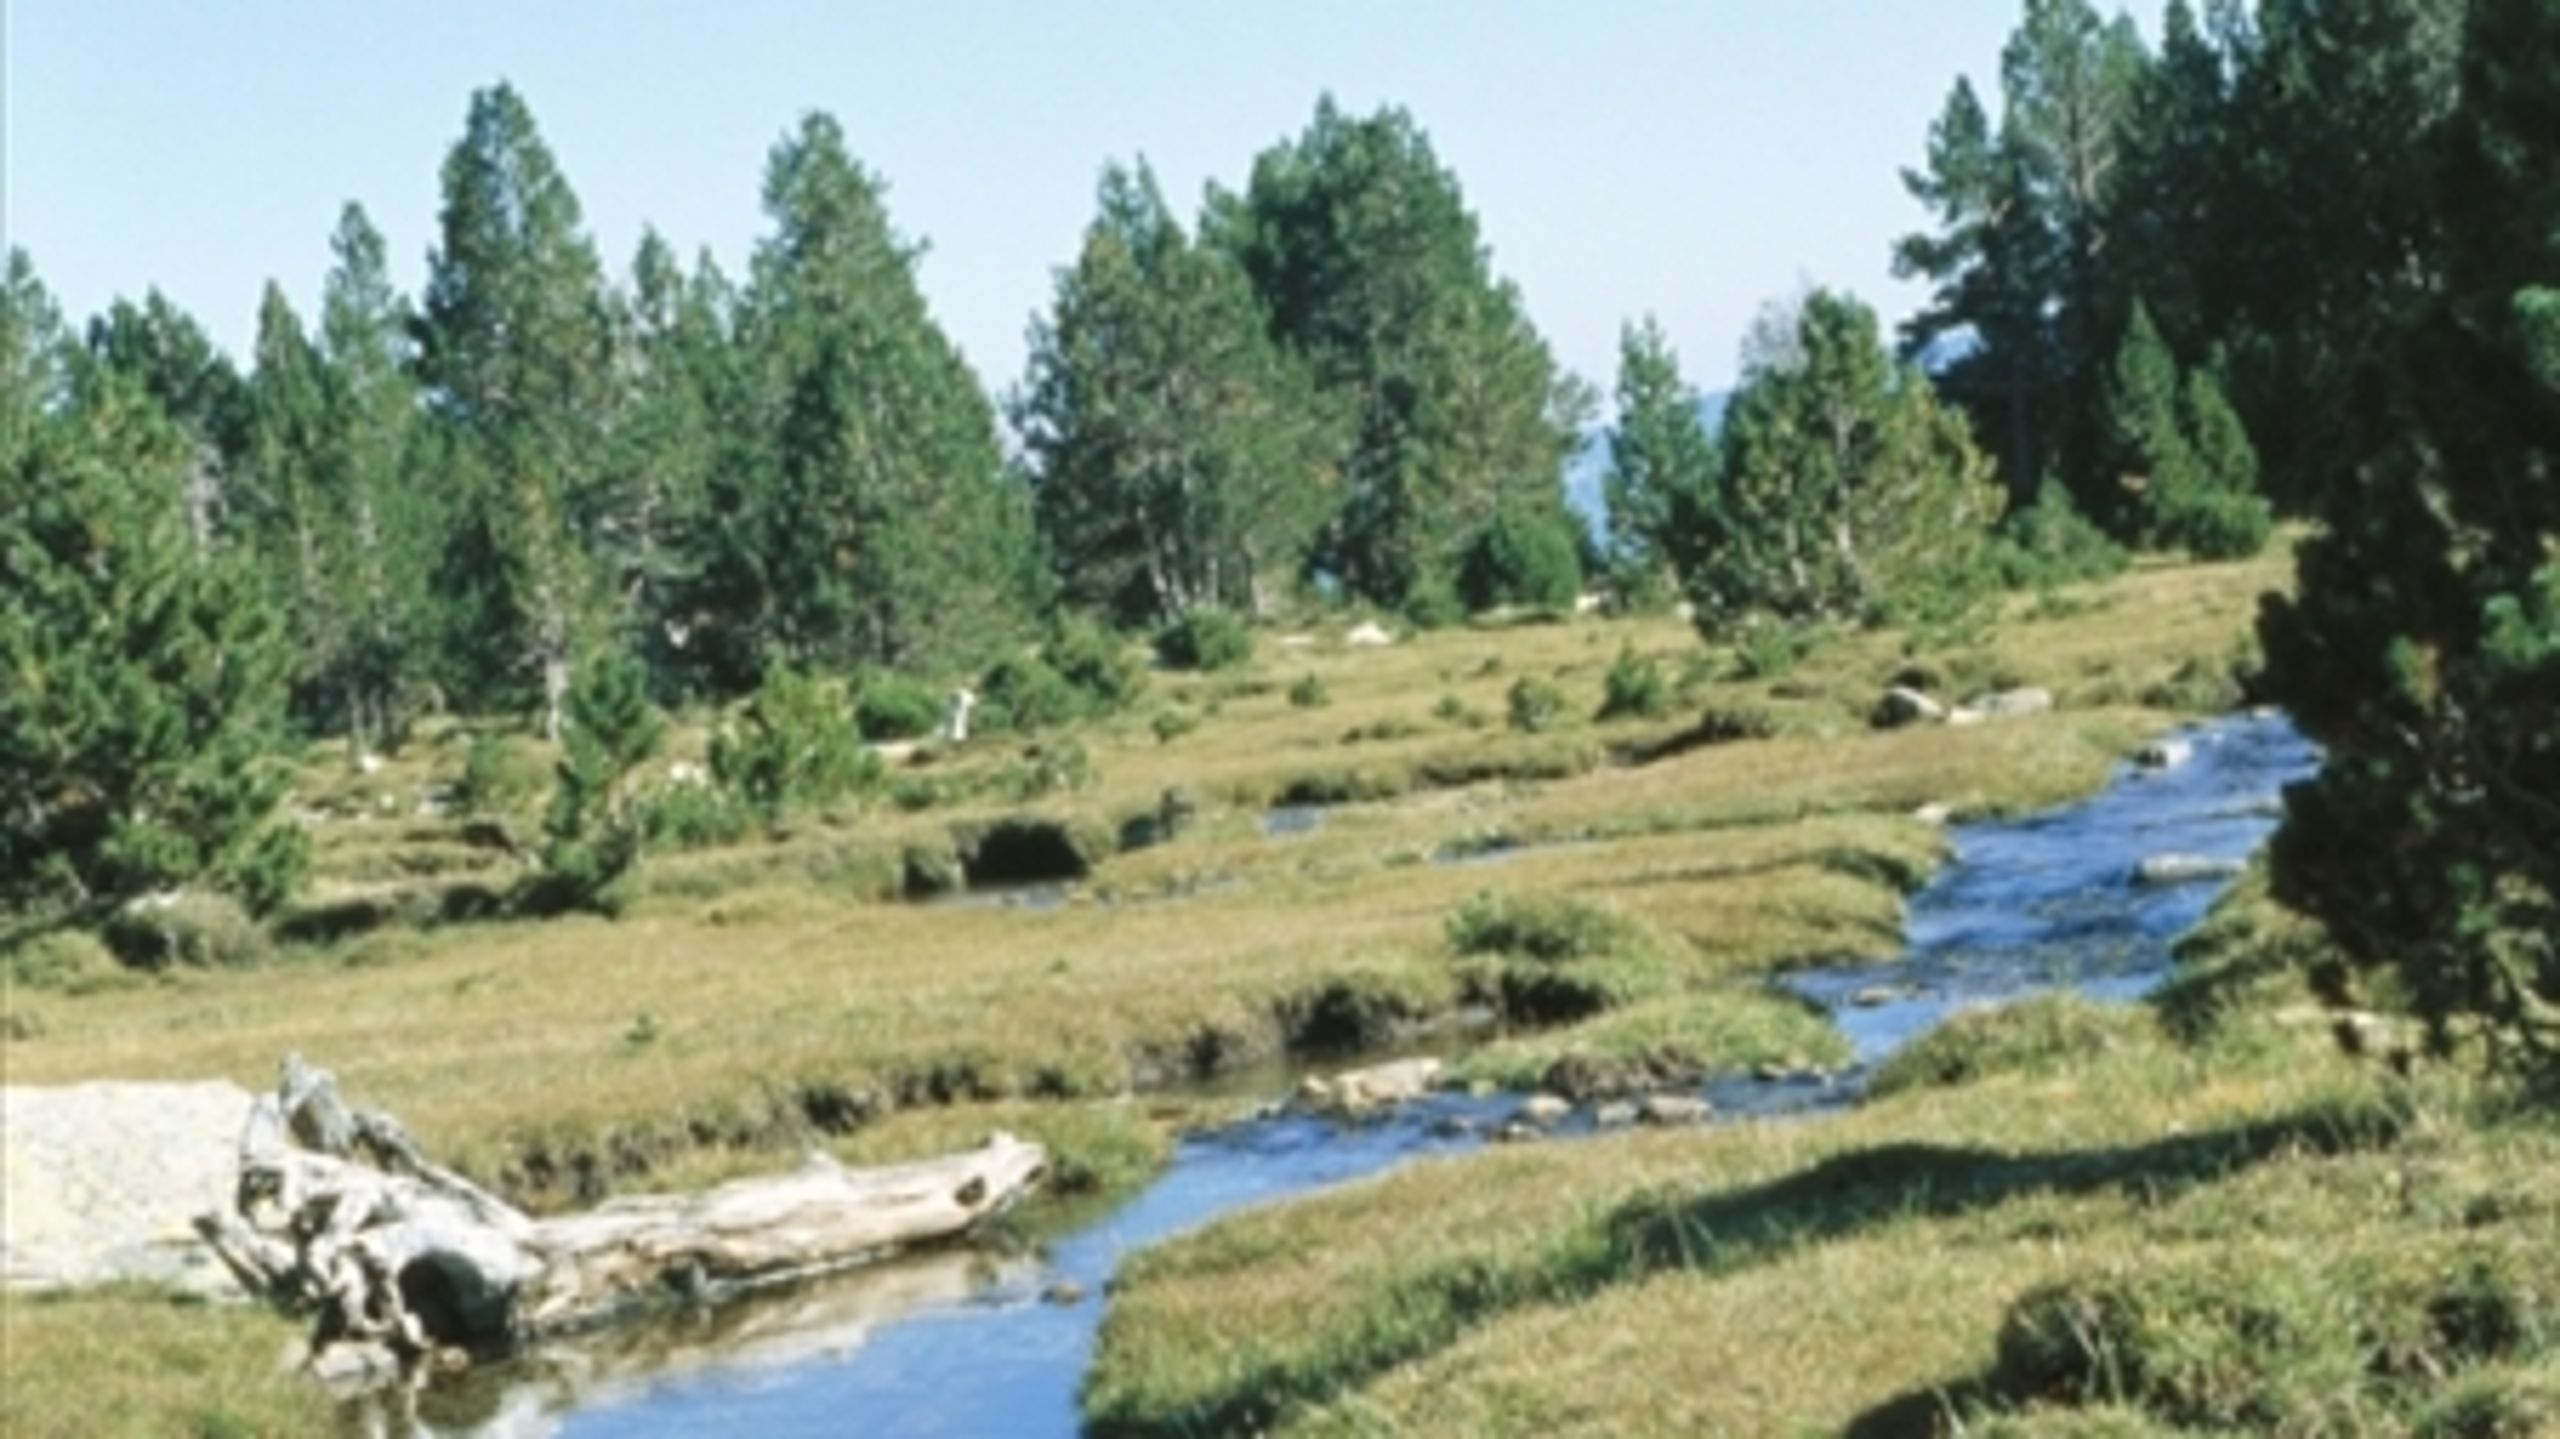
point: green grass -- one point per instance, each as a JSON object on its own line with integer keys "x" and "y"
{"x": 769, "y": 995}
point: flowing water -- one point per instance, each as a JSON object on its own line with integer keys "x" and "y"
{"x": 977, "y": 1344}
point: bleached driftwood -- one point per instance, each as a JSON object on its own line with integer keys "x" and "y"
{"x": 338, "y": 1212}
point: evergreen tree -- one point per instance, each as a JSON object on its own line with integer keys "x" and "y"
{"x": 515, "y": 351}
{"x": 2020, "y": 262}
{"x": 161, "y": 350}
{"x": 877, "y": 523}
{"x": 33, "y": 352}
{"x": 386, "y": 525}
{"x": 2187, "y": 474}
{"x": 1370, "y": 266}
{"x": 595, "y": 826}
{"x": 2424, "y": 648}
{"x": 1180, "y": 457}
{"x": 1846, "y": 491}
{"x": 282, "y": 502}
{"x": 675, "y": 374}
{"x": 1660, "y": 456}
{"x": 141, "y": 677}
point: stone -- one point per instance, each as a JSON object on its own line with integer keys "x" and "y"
{"x": 1368, "y": 635}
{"x": 1358, "y": 1092}
{"x": 103, "y": 1182}
{"x": 1545, "y": 1109}
{"x": 1452, "y": 1126}
{"x": 1671, "y": 1109}
{"x": 1937, "y": 813}
{"x": 2165, "y": 754}
{"x": 1902, "y": 706}
{"x": 1517, "y": 1131}
{"x": 2012, "y": 704}
{"x": 2162, "y": 870}
{"x": 1617, "y": 1114}
{"x": 1066, "y": 1294}
{"x": 1874, "y": 995}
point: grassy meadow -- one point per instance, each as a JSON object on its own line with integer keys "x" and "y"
{"x": 765, "y": 996}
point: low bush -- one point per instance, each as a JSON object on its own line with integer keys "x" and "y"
{"x": 1172, "y": 724}
{"x": 1634, "y": 688}
{"x": 1308, "y": 692}
{"x": 1536, "y": 705}
{"x": 1523, "y": 557}
{"x": 890, "y": 706}
{"x": 1097, "y": 662}
{"x": 69, "y": 961}
{"x": 2037, "y": 1036}
{"x": 1205, "y": 639}
{"x": 204, "y": 931}
{"x": 2051, "y": 543}
{"x": 1026, "y": 694}
{"x": 501, "y": 775}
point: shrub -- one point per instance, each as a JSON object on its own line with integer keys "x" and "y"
{"x": 892, "y": 706}
{"x": 1205, "y": 639}
{"x": 595, "y": 825}
{"x": 2210, "y": 522}
{"x": 1540, "y": 928}
{"x": 500, "y": 776}
{"x": 73, "y": 961}
{"x": 696, "y": 816}
{"x": 1523, "y": 557}
{"x": 1770, "y": 648}
{"x": 794, "y": 749}
{"x": 2051, "y": 543}
{"x": 1097, "y": 662}
{"x": 269, "y": 869}
{"x": 1025, "y": 693}
{"x": 1433, "y": 604}
{"x": 1172, "y": 724}
{"x": 205, "y": 931}
{"x": 2036, "y": 1036}
{"x": 1307, "y": 693}
{"x": 1453, "y": 710}
{"x": 1634, "y": 687}
{"x": 1536, "y": 705}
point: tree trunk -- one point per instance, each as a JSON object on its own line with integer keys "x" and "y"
{"x": 338, "y": 1213}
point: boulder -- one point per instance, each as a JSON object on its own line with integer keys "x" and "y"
{"x": 1671, "y": 1109}
{"x": 1544, "y": 1110}
{"x": 2011, "y": 704}
{"x": 1903, "y": 706}
{"x": 1359, "y": 1092}
{"x": 1936, "y": 812}
{"x": 1617, "y": 1114}
{"x": 1368, "y": 635}
{"x": 2163, "y": 870}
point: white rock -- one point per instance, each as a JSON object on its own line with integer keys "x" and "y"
{"x": 1669, "y": 1109}
{"x": 1544, "y": 1110}
{"x": 2012, "y": 704}
{"x": 2162, "y": 870}
{"x": 1368, "y": 635}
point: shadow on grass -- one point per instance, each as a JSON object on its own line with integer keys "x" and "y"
{"x": 1727, "y": 1231}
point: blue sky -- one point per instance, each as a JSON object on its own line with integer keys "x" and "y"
{"x": 1692, "y": 158}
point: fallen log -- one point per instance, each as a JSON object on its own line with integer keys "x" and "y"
{"x": 338, "y": 1213}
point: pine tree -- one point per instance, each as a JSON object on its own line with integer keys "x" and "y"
{"x": 2424, "y": 648}
{"x": 33, "y": 355}
{"x": 1660, "y": 457}
{"x": 597, "y": 821}
{"x": 515, "y": 353}
{"x": 877, "y": 524}
{"x": 141, "y": 676}
{"x": 1370, "y": 266}
{"x": 283, "y": 505}
{"x": 161, "y": 350}
{"x": 2187, "y": 474}
{"x": 1181, "y": 459}
{"x": 675, "y": 373}
{"x": 1846, "y": 491}
{"x": 386, "y": 524}
{"x": 2021, "y": 259}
